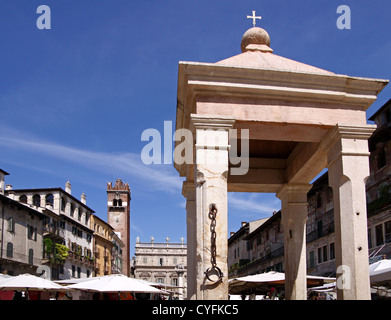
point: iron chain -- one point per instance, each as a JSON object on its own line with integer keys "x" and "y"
{"x": 214, "y": 270}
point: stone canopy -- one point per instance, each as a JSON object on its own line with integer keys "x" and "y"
{"x": 287, "y": 105}
{"x": 301, "y": 119}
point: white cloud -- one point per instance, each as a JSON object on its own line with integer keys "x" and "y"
{"x": 162, "y": 177}
{"x": 252, "y": 205}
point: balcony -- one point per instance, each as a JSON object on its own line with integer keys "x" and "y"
{"x": 52, "y": 231}
{"x": 322, "y": 232}
{"x": 265, "y": 258}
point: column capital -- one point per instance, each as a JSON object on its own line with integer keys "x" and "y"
{"x": 345, "y": 141}
{"x": 341, "y": 131}
{"x": 211, "y": 122}
{"x": 294, "y": 193}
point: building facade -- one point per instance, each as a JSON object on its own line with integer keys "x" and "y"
{"x": 107, "y": 248}
{"x": 163, "y": 263}
{"x": 67, "y": 237}
{"x": 21, "y": 237}
{"x": 379, "y": 185}
{"x": 238, "y": 246}
{"x": 264, "y": 248}
{"x": 118, "y": 216}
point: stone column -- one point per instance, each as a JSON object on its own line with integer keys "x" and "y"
{"x": 189, "y": 192}
{"x": 294, "y": 216}
{"x": 180, "y": 269}
{"x": 211, "y": 173}
{"x": 348, "y": 165}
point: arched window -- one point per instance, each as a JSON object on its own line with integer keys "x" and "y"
{"x": 10, "y": 250}
{"x": 49, "y": 199}
{"x": 31, "y": 256}
{"x": 37, "y": 200}
{"x": 119, "y": 203}
{"x": 72, "y": 209}
{"x": 63, "y": 204}
{"x": 23, "y": 198}
{"x": 115, "y": 202}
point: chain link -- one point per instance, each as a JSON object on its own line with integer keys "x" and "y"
{"x": 214, "y": 270}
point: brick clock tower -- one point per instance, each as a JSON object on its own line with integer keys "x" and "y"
{"x": 118, "y": 216}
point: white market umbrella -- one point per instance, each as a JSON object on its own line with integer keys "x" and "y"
{"x": 262, "y": 281}
{"x": 26, "y": 282}
{"x": 74, "y": 280}
{"x": 328, "y": 287}
{"x": 380, "y": 272}
{"x": 114, "y": 283}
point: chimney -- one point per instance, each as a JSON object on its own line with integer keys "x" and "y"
{"x": 8, "y": 187}
{"x": 232, "y": 233}
{"x": 2, "y": 180}
{"x": 83, "y": 198}
{"x": 244, "y": 223}
{"x": 68, "y": 187}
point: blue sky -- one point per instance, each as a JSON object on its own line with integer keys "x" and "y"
{"x": 75, "y": 99}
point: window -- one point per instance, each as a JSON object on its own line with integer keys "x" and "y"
{"x": 11, "y": 225}
{"x": 324, "y": 253}
{"x": 117, "y": 203}
{"x": 79, "y": 215}
{"x": 78, "y": 272}
{"x": 174, "y": 282}
{"x": 10, "y": 250}
{"x": 381, "y": 158}
{"x": 72, "y": 209}
{"x": 31, "y": 256}
{"x": 160, "y": 280}
{"x": 320, "y": 228}
{"x": 369, "y": 238}
{"x": 73, "y": 271}
{"x": 379, "y": 235}
{"x": 161, "y": 262}
{"x": 311, "y": 263}
{"x": 319, "y": 200}
{"x": 145, "y": 260}
{"x": 23, "y": 198}
{"x": 387, "y": 227}
{"x": 49, "y": 199}
{"x": 319, "y": 255}
{"x": 37, "y": 200}
{"x": 332, "y": 251}
{"x": 31, "y": 233}
{"x": 63, "y": 204}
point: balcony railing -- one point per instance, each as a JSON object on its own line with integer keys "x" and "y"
{"x": 52, "y": 230}
{"x": 268, "y": 256}
{"x": 322, "y": 232}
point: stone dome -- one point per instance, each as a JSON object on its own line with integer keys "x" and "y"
{"x": 255, "y": 36}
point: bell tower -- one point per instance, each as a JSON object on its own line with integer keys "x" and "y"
{"x": 118, "y": 216}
